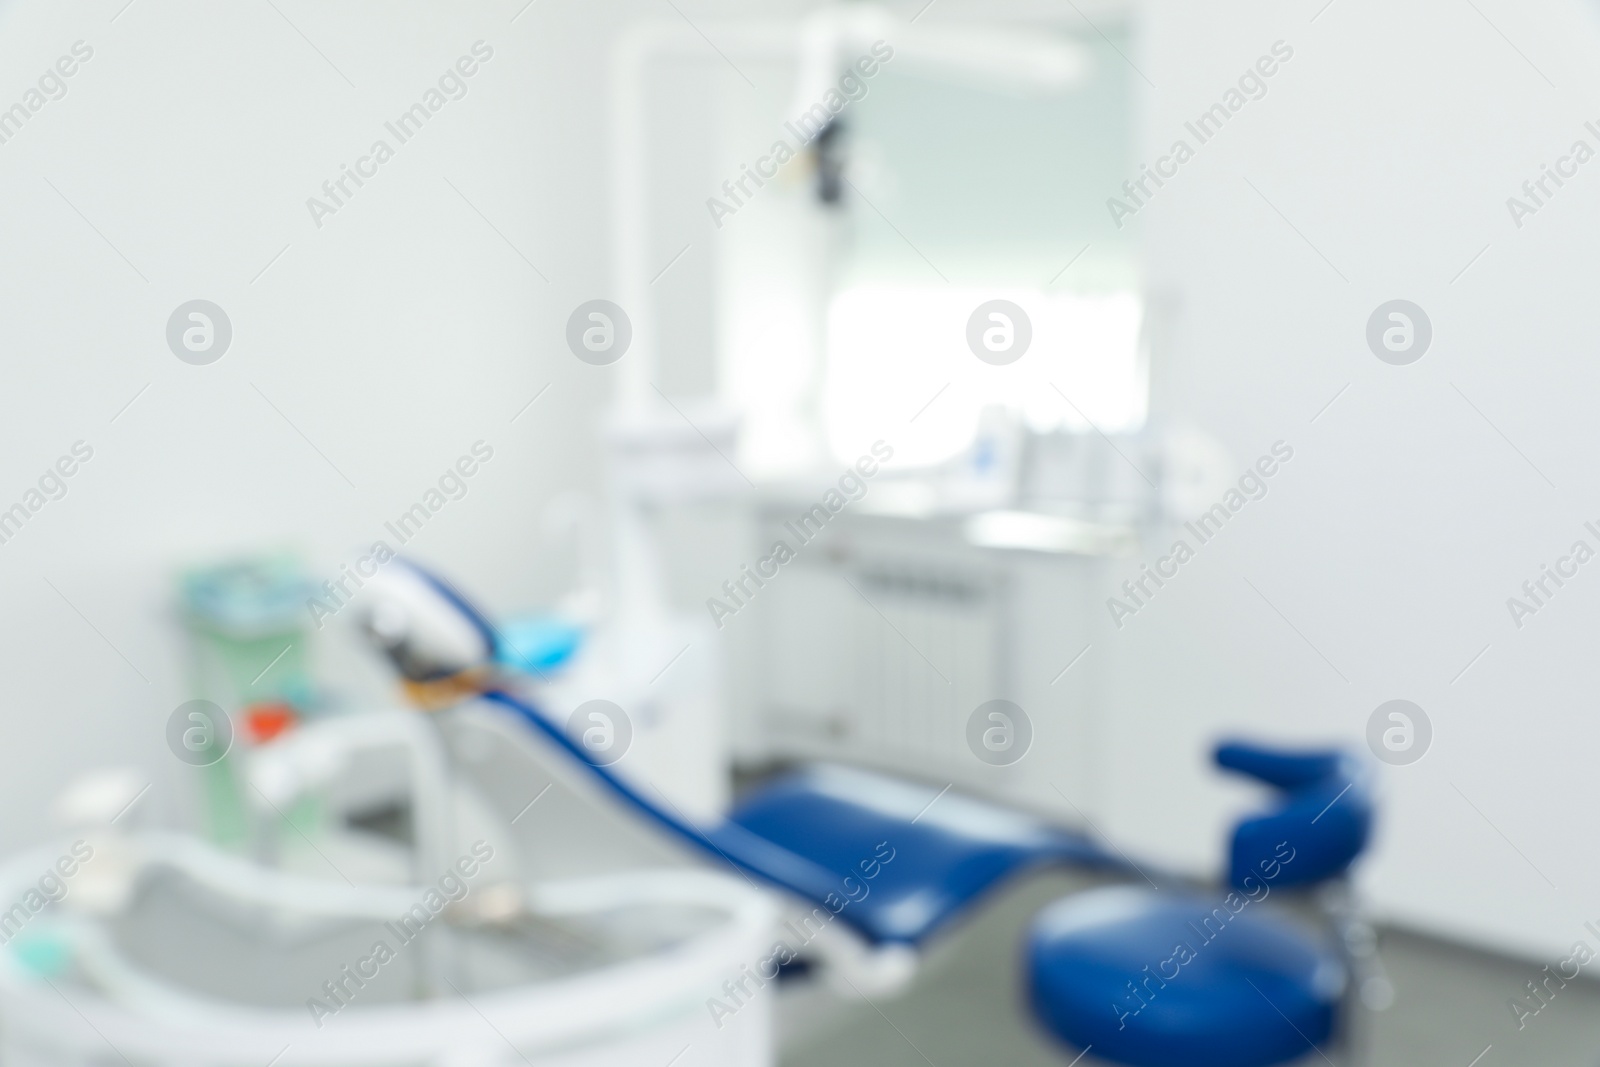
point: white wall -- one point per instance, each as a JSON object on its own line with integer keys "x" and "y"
{"x": 1391, "y": 141}
{"x": 393, "y": 337}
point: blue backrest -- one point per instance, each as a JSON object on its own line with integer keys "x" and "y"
{"x": 1321, "y": 820}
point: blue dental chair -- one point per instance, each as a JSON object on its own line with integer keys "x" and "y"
{"x": 1104, "y": 968}
{"x": 806, "y": 833}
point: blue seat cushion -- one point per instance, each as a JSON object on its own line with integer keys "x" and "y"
{"x": 947, "y": 849}
{"x": 1157, "y": 979}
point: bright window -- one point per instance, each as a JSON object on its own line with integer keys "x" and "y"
{"x": 957, "y": 199}
{"x": 899, "y": 367}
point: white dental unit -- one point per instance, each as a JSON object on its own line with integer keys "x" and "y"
{"x": 485, "y": 938}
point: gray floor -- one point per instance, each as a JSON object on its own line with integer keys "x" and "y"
{"x": 965, "y": 1009}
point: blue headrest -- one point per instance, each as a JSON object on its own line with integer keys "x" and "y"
{"x": 1321, "y": 822}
